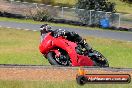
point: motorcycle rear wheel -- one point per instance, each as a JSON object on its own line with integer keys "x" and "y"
{"x": 103, "y": 63}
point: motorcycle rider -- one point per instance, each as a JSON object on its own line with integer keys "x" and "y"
{"x": 72, "y": 36}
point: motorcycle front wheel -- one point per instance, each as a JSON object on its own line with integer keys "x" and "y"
{"x": 53, "y": 60}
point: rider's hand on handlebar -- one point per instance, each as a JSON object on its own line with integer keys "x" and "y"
{"x": 58, "y": 34}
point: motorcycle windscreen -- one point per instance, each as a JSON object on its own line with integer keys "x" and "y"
{"x": 84, "y": 61}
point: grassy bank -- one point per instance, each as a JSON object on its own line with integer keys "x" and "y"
{"x": 21, "y": 47}
{"x": 122, "y": 6}
{"x": 66, "y": 84}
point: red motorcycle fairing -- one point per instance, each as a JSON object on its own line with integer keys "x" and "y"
{"x": 46, "y": 44}
{"x": 50, "y": 43}
{"x": 84, "y": 61}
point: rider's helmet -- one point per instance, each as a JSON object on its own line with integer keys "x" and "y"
{"x": 45, "y": 28}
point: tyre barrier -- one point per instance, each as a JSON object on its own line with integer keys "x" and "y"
{"x": 11, "y": 15}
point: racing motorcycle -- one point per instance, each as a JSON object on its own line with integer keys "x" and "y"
{"x": 60, "y": 51}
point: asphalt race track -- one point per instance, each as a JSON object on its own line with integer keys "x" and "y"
{"x": 116, "y": 35}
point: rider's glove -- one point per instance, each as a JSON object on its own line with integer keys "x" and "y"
{"x": 81, "y": 42}
{"x": 59, "y": 34}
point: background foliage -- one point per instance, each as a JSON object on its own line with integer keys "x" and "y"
{"x": 98, "y": 5}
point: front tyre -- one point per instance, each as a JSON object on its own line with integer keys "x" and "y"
{"x": 51, "y": 58}
{"x": 62, "y": 60}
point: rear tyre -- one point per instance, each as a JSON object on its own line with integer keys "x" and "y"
{"x": 100, "y": 60}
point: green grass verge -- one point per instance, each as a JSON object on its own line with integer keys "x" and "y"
{"x": 72, "y": 2}
{"x": 65, "y": 84}
{"x": 117, "y": 52}
{"x": 21, "y": 47}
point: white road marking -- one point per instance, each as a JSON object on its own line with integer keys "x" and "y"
{"x": 129, "y": 41}
{"x": 8, "y": 27}
{"x": 34, "y": 30}
{"x": 27, "y": 29}
{"x": 18, "y": 28}
{"x": 120, "y": 40}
